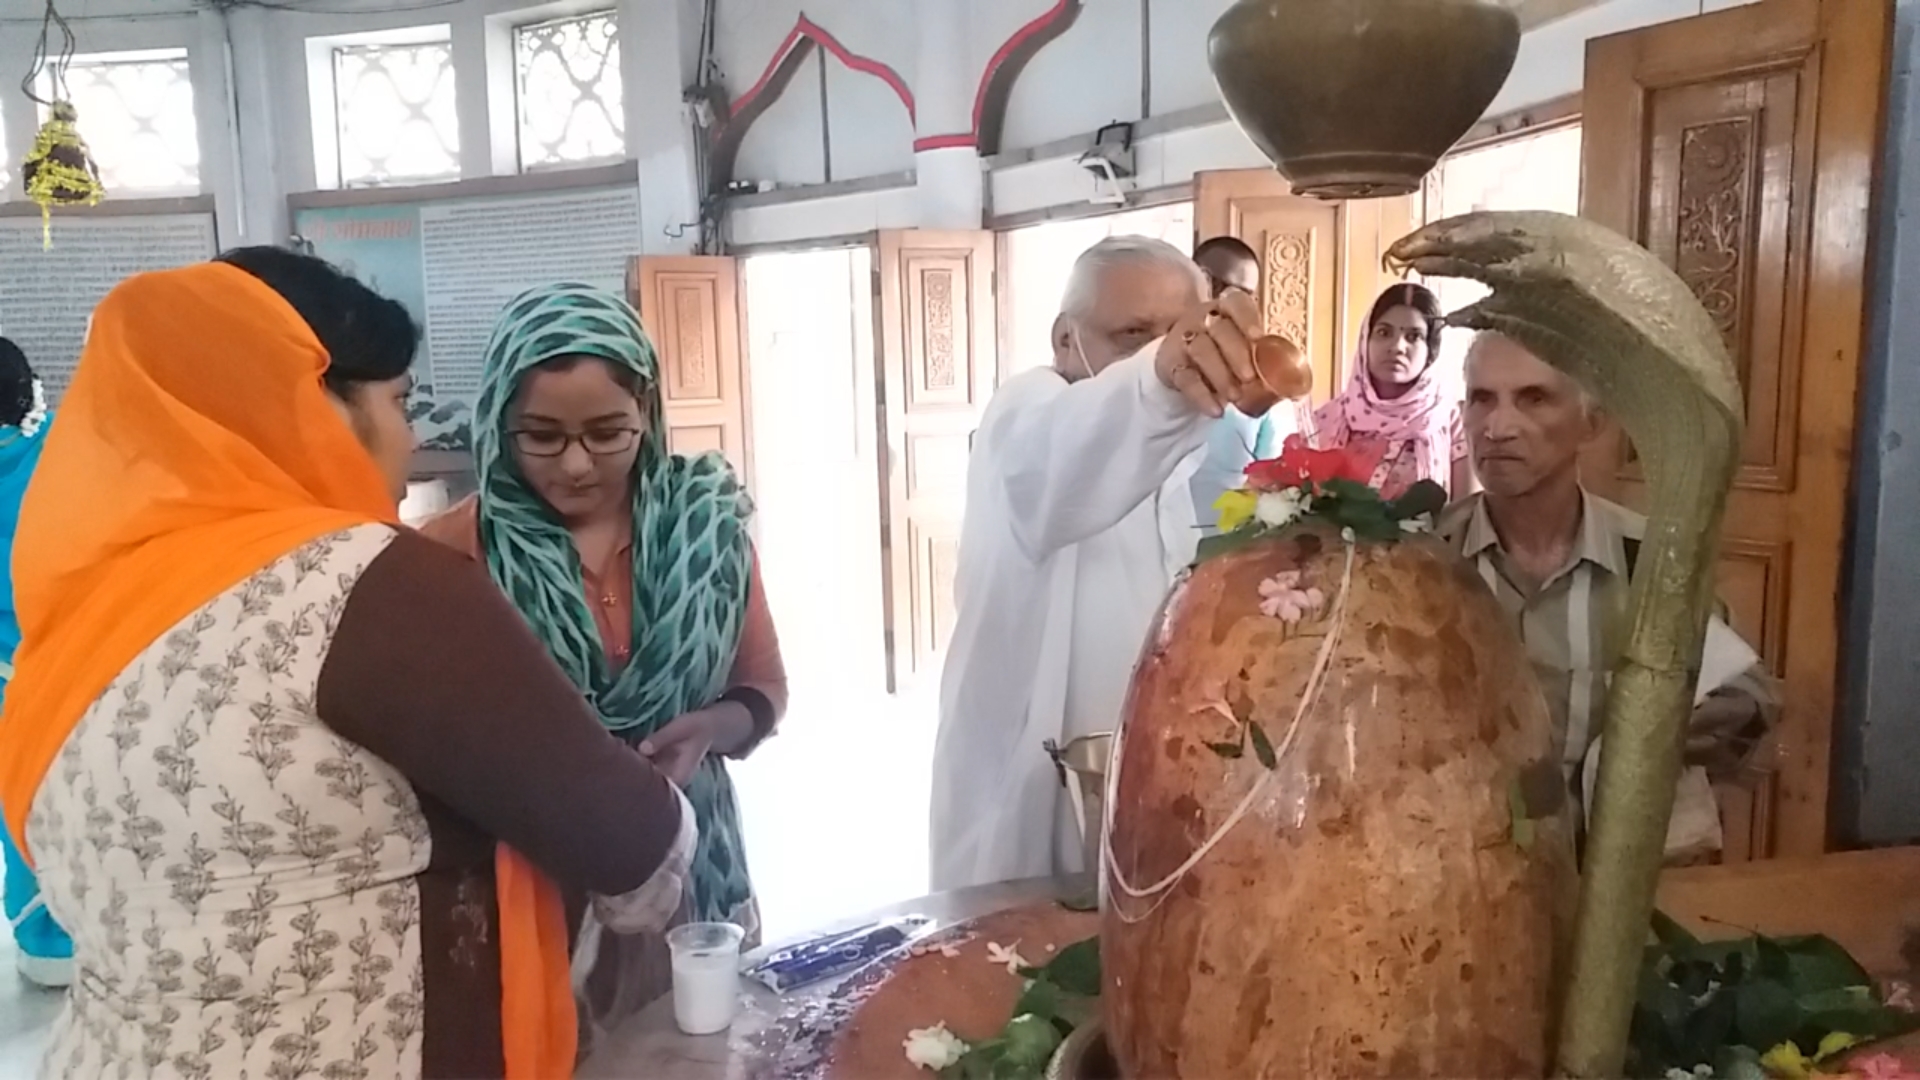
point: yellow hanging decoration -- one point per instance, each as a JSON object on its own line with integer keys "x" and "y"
{"x": 59, "y": 171}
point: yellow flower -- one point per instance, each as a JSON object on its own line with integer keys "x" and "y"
{"x": 1235, "y": 507}
{"x": 1787, "y": 1060}
{"x": 1834, "y": 1043}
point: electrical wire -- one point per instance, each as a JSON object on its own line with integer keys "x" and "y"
{"x": 50, "y": 21}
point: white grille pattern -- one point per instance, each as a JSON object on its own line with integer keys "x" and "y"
{"x": 567, "y": 73}
{"x": 394, "y": 108}
{"x": 136, "y": 114}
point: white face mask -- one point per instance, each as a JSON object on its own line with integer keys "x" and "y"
{"x": 1081, "y": 351}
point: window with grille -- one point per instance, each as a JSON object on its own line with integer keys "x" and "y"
{"x": 567, "y": 77}
{"x": 136, "y": 114}
{"x": 394, "y": 113}
{"x": 1536, "y": 171}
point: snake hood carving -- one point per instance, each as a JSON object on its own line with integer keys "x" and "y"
{"x": 1609, "y": 313}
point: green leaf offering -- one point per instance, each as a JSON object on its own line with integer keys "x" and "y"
{"x": 1262, "y": 748}
{"x": 1062, "y": 994}
{"x": 1726, "y": 1005}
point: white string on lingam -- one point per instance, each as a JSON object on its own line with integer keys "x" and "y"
{"x": 1162, "y": 889}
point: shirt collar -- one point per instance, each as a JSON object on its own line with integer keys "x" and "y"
{"x": 1600, "y": 541}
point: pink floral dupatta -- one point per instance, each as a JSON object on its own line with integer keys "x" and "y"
{"x": 1420, "y": 429}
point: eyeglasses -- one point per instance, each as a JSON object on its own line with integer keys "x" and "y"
{"x": 605, "y": 442}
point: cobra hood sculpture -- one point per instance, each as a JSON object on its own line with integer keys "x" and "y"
{"x": 1612, "y": 315}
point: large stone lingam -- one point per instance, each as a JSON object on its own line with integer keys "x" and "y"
{"x": 1338, "y": 841}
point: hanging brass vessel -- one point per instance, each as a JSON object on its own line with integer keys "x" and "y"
{"x": 1357, "y": 99}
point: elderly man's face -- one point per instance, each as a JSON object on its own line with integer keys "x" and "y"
{"x": 1524, "y": 418}
{"x": 1135, "y": 304}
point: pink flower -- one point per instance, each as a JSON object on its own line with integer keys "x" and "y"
{"x": 1883, "y": 1067}
{"x": 1281, "y": 597}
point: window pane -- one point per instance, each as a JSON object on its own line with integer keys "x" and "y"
{"x": 136, "y": 115}
{"x": 394, "y": 106}
{"x": 568, "y": 75}
{"x": 1532, "y": 172}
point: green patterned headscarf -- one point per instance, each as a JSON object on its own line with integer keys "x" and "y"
{"x": 690, "y": 559}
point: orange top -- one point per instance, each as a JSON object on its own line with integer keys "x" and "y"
{"x": 196, "y": 445}
{"x": 757, "y": 664}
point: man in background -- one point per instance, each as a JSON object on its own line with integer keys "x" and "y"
{"x": 45, "y": 952}
{"x": 1560, "y": 559}
{"x": 1237, "y": 439}
{"x": 1078, "y": 516}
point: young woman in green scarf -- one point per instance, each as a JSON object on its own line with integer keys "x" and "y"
{"x": 633, "y": 565}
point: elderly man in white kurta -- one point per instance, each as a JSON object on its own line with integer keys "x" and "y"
{"x": 1078, "y": 516}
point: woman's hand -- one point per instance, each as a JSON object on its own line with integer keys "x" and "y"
{"x": 683, "y": 742}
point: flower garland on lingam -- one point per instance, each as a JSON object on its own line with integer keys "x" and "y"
{"x": 1304, "y": 485}
{"x": 1748, "y": 1008}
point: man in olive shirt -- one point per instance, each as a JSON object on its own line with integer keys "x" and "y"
{"x": 1559, "y": 560}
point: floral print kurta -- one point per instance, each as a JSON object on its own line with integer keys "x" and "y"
{"x": 254, "y": 891}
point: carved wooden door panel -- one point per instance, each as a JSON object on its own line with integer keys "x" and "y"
{"x": 690, "y": 306}
{"x": 938, "y": 362}
{"x": 1320, "y": 261}
{"x": 1739, "y": 147}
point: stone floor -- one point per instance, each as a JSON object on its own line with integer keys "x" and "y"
{"x": 26, "y": 1012}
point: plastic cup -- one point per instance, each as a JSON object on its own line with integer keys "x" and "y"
{"x": 706, "y": 976}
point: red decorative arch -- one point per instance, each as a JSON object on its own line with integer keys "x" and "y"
{"x": 996, "y": 81}
{"x": 989, "y": 101}
{"x": 805, "y": 34}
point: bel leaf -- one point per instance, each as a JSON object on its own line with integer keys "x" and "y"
{"x": 1677, "y": 939}
{"x": 1041, "y": 998}
{"x": 1424, "y": 497}
{"x": 1031, "y": 1041}
{"x": 1262, "y": 748}
{"x": 1223, "y": 543}
{"x": 1076, "y": 968}
{"x": 1819, "y": 963}
{"x": 1766, "y": 1013}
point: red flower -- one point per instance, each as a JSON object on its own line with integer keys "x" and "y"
{"x": 1299, "y": 465}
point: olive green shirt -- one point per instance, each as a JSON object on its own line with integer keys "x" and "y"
{"x": 1574, "y": 624}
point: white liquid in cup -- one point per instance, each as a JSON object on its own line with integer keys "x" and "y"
{"x": 706, "y": 976}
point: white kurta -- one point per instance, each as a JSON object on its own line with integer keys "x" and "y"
{"x": 1079, "y": 513}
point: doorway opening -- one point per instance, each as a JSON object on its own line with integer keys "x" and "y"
{"x": 846, "y": 779}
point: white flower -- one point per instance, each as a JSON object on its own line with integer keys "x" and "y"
{"x": 37, "y": 415}
{"x": 933, "y": 1048}
{"x": 1277, "y": 508}
{"x": 1347, "y": 535}
{"x": 1421, "y": 523}
{"x": 1007, "y": 955}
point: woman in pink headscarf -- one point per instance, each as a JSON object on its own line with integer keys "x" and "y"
{"x": 1399, "y": 403}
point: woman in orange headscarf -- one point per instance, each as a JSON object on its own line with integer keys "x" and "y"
{"x": 301, "y": 781}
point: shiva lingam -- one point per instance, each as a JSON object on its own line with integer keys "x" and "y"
{"x": 1337, "y": 841}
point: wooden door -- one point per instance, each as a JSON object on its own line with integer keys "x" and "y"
{"x": 938, "y": 363}
{"x": 691, "y": 307}
{"x": 1320, "y": 261}
{"x": 1740, "y": 147}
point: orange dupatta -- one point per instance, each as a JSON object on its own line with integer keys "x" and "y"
{"x": 196, "y": 445}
